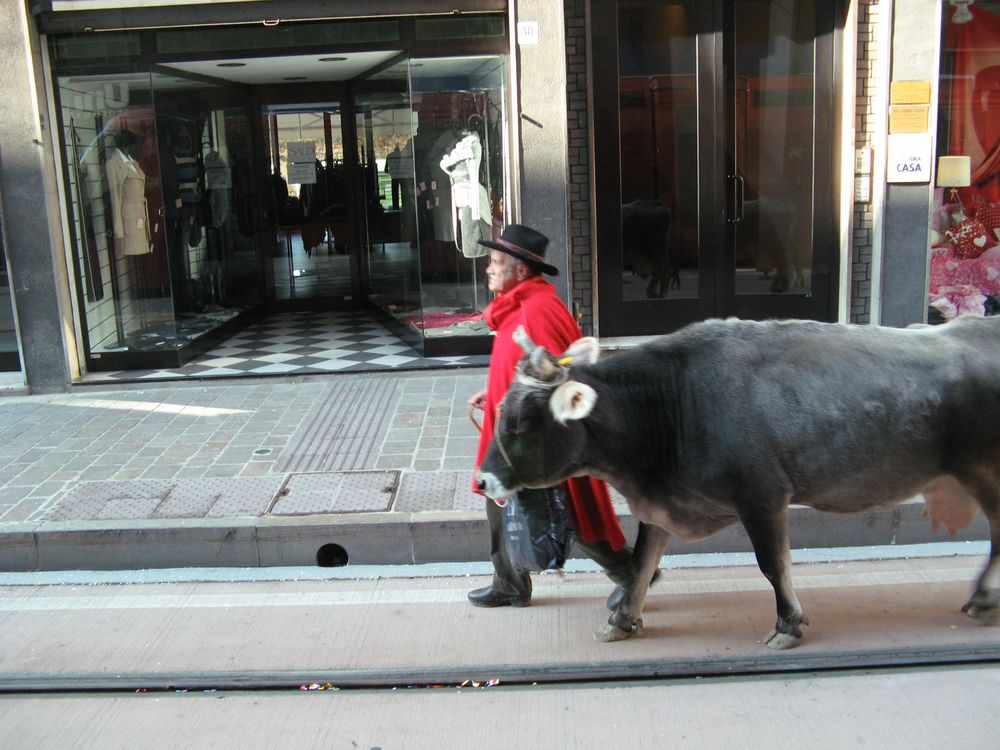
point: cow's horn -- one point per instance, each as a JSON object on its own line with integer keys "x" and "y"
{"x": 522, "y": 339}
{"x": 545, "y": 369}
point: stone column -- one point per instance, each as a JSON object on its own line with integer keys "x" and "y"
{"x": 544, "y": 168}
{"x": 905, "y": 229}
{"x": 29, "y": 206}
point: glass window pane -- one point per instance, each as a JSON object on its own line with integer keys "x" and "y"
{"x": 385, "y": 151}
{"x": 459, "y": 116}
{"x": 965, "y": 222}
{"x": 774, "y": 58}
{"x": 205, "y": 150}
{"x": 115, "y": 201}
{"x": 161, "y": 205}
{"x": 659, "y": 151}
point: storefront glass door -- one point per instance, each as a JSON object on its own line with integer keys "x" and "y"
{"x": 308, "y": 204}
{"x": 714, "y": 154}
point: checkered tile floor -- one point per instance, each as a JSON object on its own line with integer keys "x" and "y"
{"x": 301, "y": 343}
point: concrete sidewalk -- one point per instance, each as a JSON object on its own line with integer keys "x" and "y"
{"x": 331, "y": 470}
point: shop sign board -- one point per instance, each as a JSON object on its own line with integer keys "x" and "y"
{"x": 909, "y": 157}
{"x": 302, "y": 162}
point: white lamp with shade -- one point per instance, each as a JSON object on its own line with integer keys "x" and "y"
{"x": 954, "y": 172}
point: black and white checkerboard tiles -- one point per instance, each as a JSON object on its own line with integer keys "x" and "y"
{"x": 300, "y": 343}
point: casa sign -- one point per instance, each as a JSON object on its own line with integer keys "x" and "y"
{"x": 909, "y": 157}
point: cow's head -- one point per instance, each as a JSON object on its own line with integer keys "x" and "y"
{"x": 539, "y": 434}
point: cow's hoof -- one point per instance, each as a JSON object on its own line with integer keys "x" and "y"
{"x": 985, "y": 614}
{"x": 610, "y": 633}
{"x": 781, "y": 641}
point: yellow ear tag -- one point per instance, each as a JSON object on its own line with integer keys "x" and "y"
{"x": 564, "y": 361}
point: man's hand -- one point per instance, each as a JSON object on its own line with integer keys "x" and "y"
{"x": 478, "y": 400}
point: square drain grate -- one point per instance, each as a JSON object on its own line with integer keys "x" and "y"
{"x": 437, "y": 490}
{"x": 336, "y": 492}
{"x": 155, "y": 498}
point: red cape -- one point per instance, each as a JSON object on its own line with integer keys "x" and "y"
{"x": 535, "y": 305}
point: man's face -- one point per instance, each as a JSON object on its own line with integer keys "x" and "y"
{"x": 504, "y": 272}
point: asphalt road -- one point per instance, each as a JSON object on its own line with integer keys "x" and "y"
{"x": 401, "y": 660}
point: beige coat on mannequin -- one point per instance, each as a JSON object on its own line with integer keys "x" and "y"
{"x": 128, "y": 205}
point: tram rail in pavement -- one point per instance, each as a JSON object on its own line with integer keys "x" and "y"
{"x": 699, "y": 621}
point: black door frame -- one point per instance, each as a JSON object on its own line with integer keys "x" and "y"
{"x": 713, "y": 24}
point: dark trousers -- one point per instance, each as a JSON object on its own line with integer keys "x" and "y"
{"x": 511, "y": 580}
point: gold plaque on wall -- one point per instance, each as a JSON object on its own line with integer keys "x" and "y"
{"x": 908, "y": 118}
{"x": 910, "y": 92}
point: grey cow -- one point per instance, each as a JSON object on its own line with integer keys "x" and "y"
{"x": 732, "y": 420}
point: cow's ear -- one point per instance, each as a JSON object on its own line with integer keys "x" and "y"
{"x": 585, "y": 351}
{"x": 572, "y": 400}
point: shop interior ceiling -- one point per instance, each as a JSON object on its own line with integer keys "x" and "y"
{"x": 302, "y": 68}
{"x": 341, "y": 66}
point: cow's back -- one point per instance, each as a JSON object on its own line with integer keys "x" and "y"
{"x": 819, "y": 410}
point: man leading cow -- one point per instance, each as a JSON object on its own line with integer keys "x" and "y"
{"x": 525, "y": 299}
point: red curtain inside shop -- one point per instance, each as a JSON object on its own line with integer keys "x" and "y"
{"x": 974, "y": 99}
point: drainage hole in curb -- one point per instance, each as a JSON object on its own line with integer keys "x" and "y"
{"x": 331, "y": 556}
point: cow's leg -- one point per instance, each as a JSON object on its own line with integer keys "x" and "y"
{"x": 983, "y": 605}
{"x": 769, "y": 536}
{"x": 626, "y": 620}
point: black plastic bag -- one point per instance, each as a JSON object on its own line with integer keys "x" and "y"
{"x": 538, "y": 533}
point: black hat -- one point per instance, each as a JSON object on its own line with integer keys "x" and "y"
{"x": 526, "y": 245}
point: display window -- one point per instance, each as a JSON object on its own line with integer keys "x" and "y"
{"x": 436, "y": 163}
{"x": 965, "y": 223}
{"x": 202, "y": 193}
{"x": 162, "y": 218}
{"x": 458, "y": 186}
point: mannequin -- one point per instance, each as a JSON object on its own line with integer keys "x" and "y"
{"x": 127, "y": 184}
{"x": 470, "y": 201}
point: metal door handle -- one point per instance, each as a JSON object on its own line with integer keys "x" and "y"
{"x": 738, "y": 193}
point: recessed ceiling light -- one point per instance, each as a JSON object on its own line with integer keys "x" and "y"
{"x": 230, "y": 65}
{"x": 332, "y": 59}
{"x": 294, "y": 78}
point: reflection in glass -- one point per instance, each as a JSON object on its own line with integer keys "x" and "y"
{"x": 117, "y": 201}
{"x": 385, "y": 151}
{"x": 459, "y": 121}
{"x": 205, "y": 156}
{"x": 432, "y": 150}
{"x": 161, "y": 203}
{"x": 774, "y": 61}
{"x": 659, "y": 149}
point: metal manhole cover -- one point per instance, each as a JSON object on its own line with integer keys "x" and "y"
{"x": 336, "y": 492}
